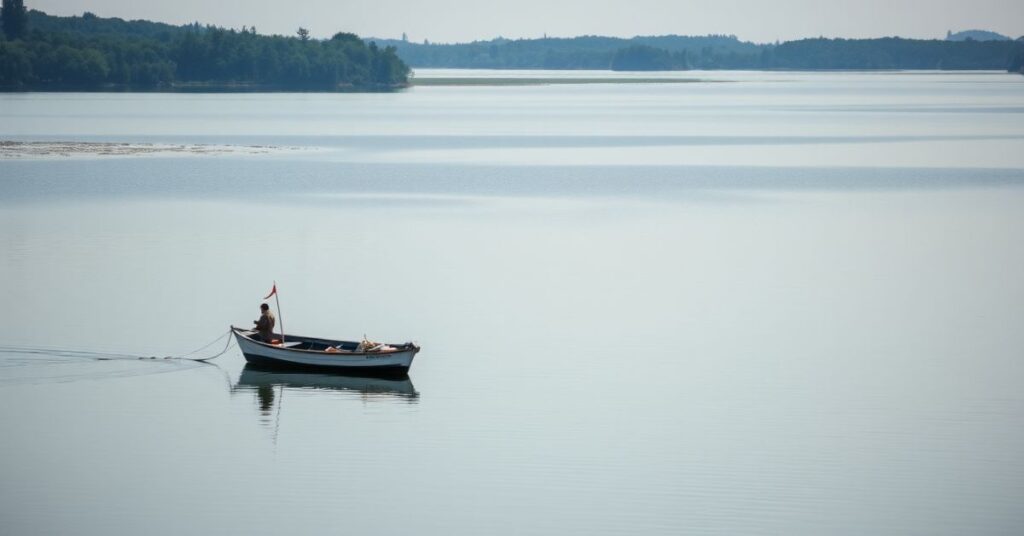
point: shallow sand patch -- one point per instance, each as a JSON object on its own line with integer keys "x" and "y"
{"x": 64, "y": 149}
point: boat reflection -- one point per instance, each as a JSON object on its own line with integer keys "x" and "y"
{"x": 270, "y": 384}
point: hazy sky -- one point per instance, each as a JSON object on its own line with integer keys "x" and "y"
{"x": 462, "y": 20}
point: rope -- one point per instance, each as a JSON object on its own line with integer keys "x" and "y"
{"x": 209, "y": 344}
{"x": 214, "y": 356}
{"x": 106, "y": 356}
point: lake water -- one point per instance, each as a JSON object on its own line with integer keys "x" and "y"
{"x": 767, "y": 303}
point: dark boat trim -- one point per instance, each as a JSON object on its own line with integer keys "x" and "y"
{"x": 384, "y": 371}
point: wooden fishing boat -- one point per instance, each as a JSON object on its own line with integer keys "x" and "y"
{"x": 326, "y": 355}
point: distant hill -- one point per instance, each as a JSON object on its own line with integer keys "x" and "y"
{"x": 976, "y": 35}
{"x": 90, "y": 52}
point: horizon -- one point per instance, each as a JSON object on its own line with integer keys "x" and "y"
{"x": 993, "y": 15}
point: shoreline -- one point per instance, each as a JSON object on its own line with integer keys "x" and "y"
{"x": 538, "y": 79}
{"x": 198, "y": 87}
{"x": 544, "y": 81}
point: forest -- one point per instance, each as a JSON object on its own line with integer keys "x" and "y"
{"x": 40, "y": 52}
{"x": 672, "y": 52}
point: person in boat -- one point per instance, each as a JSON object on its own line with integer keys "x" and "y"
{"x": 265, "y": 324}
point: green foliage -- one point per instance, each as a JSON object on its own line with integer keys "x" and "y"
{"x": 893, "y": 53}
{"x": 90, "y": 24}
{"x": 14, "y": 19}
{"x": 226, "y": 56}
{"x": 672, "y": 52}
{"x": 15, "y": 64}
{"x": 89, "y": 51}
{"x": 586, "y": 52}
{"x": 1017, "y": 64}
{"x": 647, "y": 58}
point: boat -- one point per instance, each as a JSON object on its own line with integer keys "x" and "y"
{"x": 326, "y": 355}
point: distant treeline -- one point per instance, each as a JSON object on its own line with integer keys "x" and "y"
{"x": 712, "y": 52}
{"x": 1017, "y": 65}
{"x": 587, "y": 52}
{"x": 46, "y": 52}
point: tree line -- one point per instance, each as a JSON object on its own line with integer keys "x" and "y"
{"x": 712, "y": 52}
{"x": 585, "y": 52}
{"x": 40, "y": 51}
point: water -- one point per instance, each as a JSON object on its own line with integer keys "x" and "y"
{"x": 787, "y": 303}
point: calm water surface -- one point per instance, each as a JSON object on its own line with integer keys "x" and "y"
{"x": 778, "y": 303}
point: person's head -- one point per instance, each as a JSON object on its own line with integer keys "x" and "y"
{"x": 264, "y": 307}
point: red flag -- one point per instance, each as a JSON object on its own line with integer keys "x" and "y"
{"x": 272, "y": 291}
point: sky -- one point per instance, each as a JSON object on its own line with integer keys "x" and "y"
{"x": 462, "y": 20}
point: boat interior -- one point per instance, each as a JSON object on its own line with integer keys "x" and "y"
{"x": 296, "y": 342}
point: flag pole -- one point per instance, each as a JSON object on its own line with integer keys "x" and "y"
{"x": 280, "y": 319}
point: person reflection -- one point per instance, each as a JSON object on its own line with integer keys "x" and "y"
{"x": 265, "y": 395}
